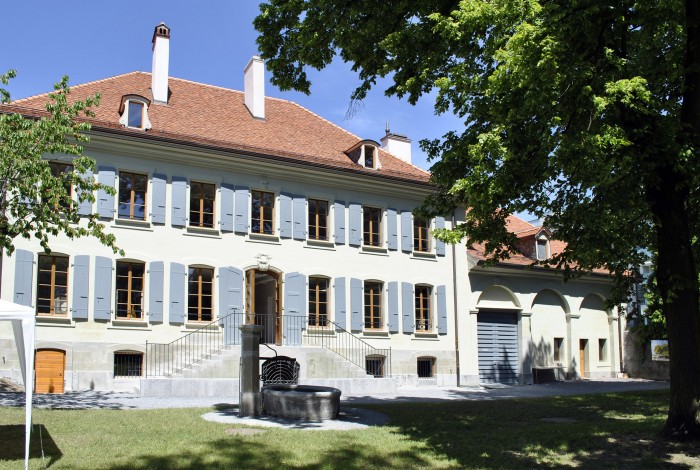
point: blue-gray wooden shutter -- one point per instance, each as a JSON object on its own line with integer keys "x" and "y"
{"x": 355, "y": 237}
{"x": 226, "y": 217}
{"x": 393, "y": 307}
{"x": 442, "y": 310}
{"x": 439, "y": 244}
{"x": 285, "y": 215}
{"x": 242, "y": 204}
{"x": 391, "y": 242}
{"x": 231, "y": 303}
{"x": 339, "y": 218}
{"x": 24, "y": 269}
{"x": 407, "y": 306}
{"x": 156, "y": 281}
{"x": 299, "y": 218}
{"x": 178, "y": 279}
{"x": 406, "y": 232}
{"x": 178, "y": 213}
{"x": 356, "y": 304}
{"x": 340, "y": 303}
{"x": 294, "y": 307}
{"x": 85, "y": 207}
{"x": 158, "y": 211}
{"x": 81, "y": 281}
{"x": 103, "y": 288}
{"x": 105, "y": 202}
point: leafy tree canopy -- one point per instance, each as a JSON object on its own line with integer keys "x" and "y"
{"x": 34, "y": 201}
{"x": 585, "y": 113}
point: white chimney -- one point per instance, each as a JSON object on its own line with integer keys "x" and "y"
{"x": 161, "y": 58}
{"x": 397, "y": 145}
{"x": 254, "y": 87}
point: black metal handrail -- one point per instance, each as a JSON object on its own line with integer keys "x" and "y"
{"x": 166, "y": 359}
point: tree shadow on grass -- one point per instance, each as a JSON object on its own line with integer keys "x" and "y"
{"x": 12, "y": 444}
{"x": 609, "y": 431}
{"x": 254, "y": 453}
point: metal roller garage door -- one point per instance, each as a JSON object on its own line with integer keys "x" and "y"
{"x": 498, "y": 347}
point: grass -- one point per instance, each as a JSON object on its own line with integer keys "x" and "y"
{"x": 593, "y": 431}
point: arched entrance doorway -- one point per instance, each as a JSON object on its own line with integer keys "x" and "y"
{"x": 263, "y": 303}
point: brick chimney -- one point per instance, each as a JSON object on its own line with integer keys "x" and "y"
{"x": 254, "y": 87}
{"x": 161, "y": 59}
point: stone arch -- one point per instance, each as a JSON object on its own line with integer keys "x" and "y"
{"x": 498, "y": 297}
{"x": 548, "y": 328}
{"x": 595, "y": 340}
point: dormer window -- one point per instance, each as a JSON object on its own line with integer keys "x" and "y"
{"x": 542, "y": 247}
{"x": 365, "y": 153}
{"x": 134, "y": 112}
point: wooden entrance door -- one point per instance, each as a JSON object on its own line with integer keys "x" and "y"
{"x": 582, "y": 343}
{"x": 263, "y": 304}
{"x": 49, "y": 367}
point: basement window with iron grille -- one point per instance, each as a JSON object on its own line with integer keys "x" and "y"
{"x": 374, "y": 365}
{"x": 426, "y": 367}
{"x": 128, "y": 364}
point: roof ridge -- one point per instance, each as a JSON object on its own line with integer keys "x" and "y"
{"x": 80, "y": 85}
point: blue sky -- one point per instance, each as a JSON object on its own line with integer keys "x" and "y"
{"x": 211, "y": 42}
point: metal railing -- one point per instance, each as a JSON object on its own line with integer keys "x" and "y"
{"x": 166, "y": 359}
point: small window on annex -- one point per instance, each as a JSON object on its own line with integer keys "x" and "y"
{"x": 426, "y": 367}
{"x": 318, "y": 219}
{"x": 318, "y": 301}
{"x": 130, "y": 289}
{"x": 542, "y": 252}
{"x": 421, "y": 235}
{"x": 557, "y": 350}
{"x": 374, "y": 365}
{"x": 132, "y": 195}
{"x": 128, "y": 364}
{"x": 202, "y": 197}
{"x": 373, "y": 305}
{"x": 602, "y": 350}
{"x": 263, "y": 213}
{"x": 372, "y": 226}
{"x": 52, "y": 286}
{"x": 423, "y": 308}
{"x": 200, "y": 294}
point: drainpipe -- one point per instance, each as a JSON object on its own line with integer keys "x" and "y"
{"x": 619, "y": 339}
{"x": 454, "y": 302}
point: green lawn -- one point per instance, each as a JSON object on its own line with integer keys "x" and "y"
{"x": 594, "y": 431}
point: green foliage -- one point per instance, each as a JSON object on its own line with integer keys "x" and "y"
{"x": 33, "y": 201}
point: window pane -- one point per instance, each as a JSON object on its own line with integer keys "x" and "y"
{"x": 135, "y": 114}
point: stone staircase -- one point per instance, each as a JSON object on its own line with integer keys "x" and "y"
{"x": 218, "y": 374}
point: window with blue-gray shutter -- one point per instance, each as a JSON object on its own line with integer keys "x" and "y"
{"x": 105, "y": 202}
{"x": 158, "y": 210}
{"x": 299, "y": 218}
{"x": 178, "y": 213}
{"x": 439, "y": 245}
{"x": 356, "y": 304}
{"x": 391, "y": 241}
{"x": 178, "y": 275}
{"x": 156, "y": 280}
{"x": 407, "y": 232}
{"x": 231, "y": 303}
{"x": 81, "y": 280}
{"x": 407, "y": 307}
{"x": 241, "y": 212}
{"x": 285, "y": 215}
{"x": 226, "y": 217}
{"x": 442, "y": 310}
{"x": 294, "y": 307}
{"x": 103, "y": 288}
{"x": 355, "y": 237}
{"x": 339, "y": 220}
{"x": 85, "y": 206}
{"x": 340, "y": 303}
{"x": 24, "y": 277}
{"x": 393, "y": 307}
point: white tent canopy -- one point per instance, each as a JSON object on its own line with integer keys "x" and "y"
{"x": 23, "y": 322}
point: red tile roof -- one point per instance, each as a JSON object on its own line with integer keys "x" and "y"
{"x": 212, "y": 116}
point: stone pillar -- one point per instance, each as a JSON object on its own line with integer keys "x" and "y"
{"x": 250, "y": 400}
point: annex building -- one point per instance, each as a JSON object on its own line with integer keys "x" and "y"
{"x": 234, "y": 208}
